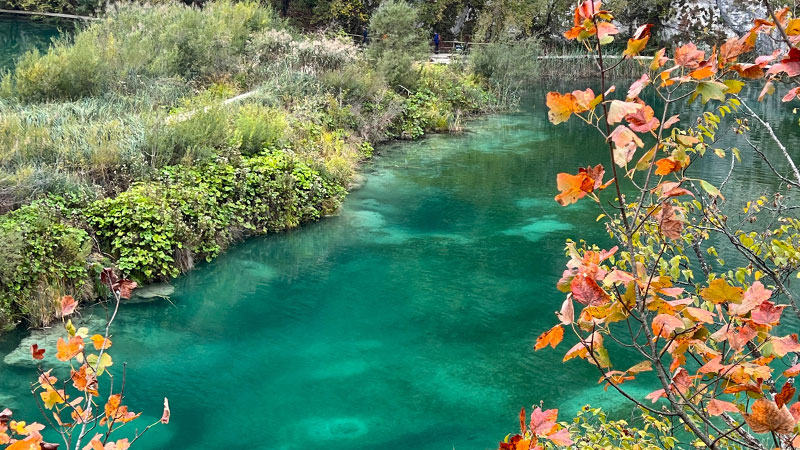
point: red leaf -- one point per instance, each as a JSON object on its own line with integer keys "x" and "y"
{"x": 36, "y": 352}
{"x": 588, "y": 292}
{"x": 785, "y": 395}
{"x": 689, "y": 56}
{"x": 767, "y": 314}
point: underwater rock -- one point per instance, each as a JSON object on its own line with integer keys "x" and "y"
{"x": 47, "y": 339}
{"x": 151, "y": 292}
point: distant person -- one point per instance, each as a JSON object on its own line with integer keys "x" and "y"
{"x": 436, "y": 43}
{"x": 365, "y": 37}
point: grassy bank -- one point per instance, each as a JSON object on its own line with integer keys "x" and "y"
{"x": 118, "y": 147}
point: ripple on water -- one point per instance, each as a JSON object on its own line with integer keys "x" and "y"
{"x": 334, "y": 428}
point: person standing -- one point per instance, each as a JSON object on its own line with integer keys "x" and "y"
{"x": 436, "y": 43}
{"x": 364, "y": 36}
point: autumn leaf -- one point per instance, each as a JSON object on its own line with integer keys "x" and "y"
{"x": 755, "y": 295}
{"x": 689, "y": 56}
{"x": 790, "y": 65}
{"x": 644, "y": 366}
{"x": 573, "y": 187}
{"x": 52, "y": 397}
{"x": 672, "y": 121}
{"x": 560, "y": 437}
{"x": 68, "y": 350}
{"x": 637, "y": 86}
{"x": 584, "y": 100}
{"x": 782, "y": 346}
{"x": 665, "y": 324}
{"x": 36, "y": 352}
{"x": 719, "y": 291}
{"x": 666, "y": 166}
{"x": 642, "y": 121}
{"x": 125, "y": 287}
{"x": 586, "y": 291}
{"x": 619, "y": 109}
{"x": 543, "y": 422}
{"x": 655, "y": 395}
{"x": 84, "y": 380}
{"x": 100, "y": 342}
{"x": 567, "y": 314}
{"x": 638, "y": 41}
{"x": 765, "y": 416}
{"x": 68, "y": 305}
{"x": 785, "y": 395}
{"x": 718, "y": 407}
{"x": 792, "y": 371}
{"x": 699, "y": 315}
{"x": 551, "y": 337}
{"x": 561, "y": 107}
{"x": 767, "y": 314}
{"x": 669, "y": 222}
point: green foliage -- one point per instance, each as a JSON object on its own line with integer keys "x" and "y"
{"x": 257, "y": 128}
{"x": 591, "y": 430}
{"x": 397, "y": 44}
{"x": 155, "y": 230}
{"x": 138, "y": 42}
{"x": 44, "y": 256}
{"x": 508, "y": 66}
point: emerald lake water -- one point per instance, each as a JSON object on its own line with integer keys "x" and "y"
{"x": 405, "y": 322}
{"x": 19, "y": 34}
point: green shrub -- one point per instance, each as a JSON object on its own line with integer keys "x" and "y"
{"x": 156, "y": 230}
{"x": 257, "y": 128}
{"x": 44, "y": 257}
{"x": 398, "y": 44}
{"x": 507, "y": 66}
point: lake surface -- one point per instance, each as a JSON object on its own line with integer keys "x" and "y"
{"x": 407, "y": 321}
{"x": 19, "y": 34}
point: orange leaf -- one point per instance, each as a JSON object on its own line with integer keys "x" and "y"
{"x": 68, "y": 305}
{"x": 784, "y": 345}
{"x": 688, "y": 56}
{"x": 700, "y": 315}
{"x": 718, "y": 407}
{"x": 637, "y": 86}
{"x": 100, "y": 342}
{"x": 551, "y": 337}
{"x": 766, "y": 416}
{"x": 68, "y": 350}
{"x": 561, "y": 107}
{"x": 665, "y": 324}
{"x": 792, "y": 371}
{"x": 666, "y": 166}
{"x": 785, "y": 395}
{"x": 573, "y": 187}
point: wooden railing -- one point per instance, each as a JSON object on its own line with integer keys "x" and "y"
{"x": 47, "y": 14}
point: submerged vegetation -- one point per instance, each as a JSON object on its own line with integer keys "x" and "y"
{"x": 156, "y": 137}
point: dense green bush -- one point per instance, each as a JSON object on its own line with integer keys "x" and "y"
{"x": 398, "y": 45}
{"x": 257, "y": 128}
{"x": 44, "y": 256}
{"x": 156, "y": 230}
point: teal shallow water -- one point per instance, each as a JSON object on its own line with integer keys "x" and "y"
{"x": 407, "y": 321}
{"x": 20, "y": 34}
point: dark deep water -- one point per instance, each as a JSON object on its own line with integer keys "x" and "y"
{"x": 407, "y": 321}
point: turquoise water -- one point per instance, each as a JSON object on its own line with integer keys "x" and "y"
{"x": 407, "y": 321}
{"x": 20, "y": 34}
